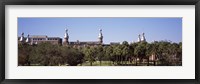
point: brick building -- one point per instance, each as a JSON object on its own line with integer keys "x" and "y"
{"x": 36, "y": 39}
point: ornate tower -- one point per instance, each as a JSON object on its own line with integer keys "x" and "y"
{"x": 28, "y": 39}
{"x": 66, "y": 38}
{"x": 143, "y": 38}
{"x": 100, "y": 36}
{"x": 22, "y": 38}
{"x": 139, "y": 39}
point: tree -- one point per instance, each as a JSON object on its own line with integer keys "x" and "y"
{"x": 46, "y": 54}
{"x": 24, "y": 54}
{"x": 179, "y": 54}
{"x": 125, "y": 43}
{"x": 109, "y": 53}
{"x": 42, "y": 51}
{"x": 175, "y": 52}
{"x": 55, "y": 56}
{"x": 72, "y": 56}
{"x": 167, "y": 51}
{"x": 118, "y": 53}
{"x": 149, "y": 52}
{"x": 125, "y": 50}
{"x": 154, "y": 50}
{"x": 100, "y": 53}
{"x": 90, "y": 53}
{"x": 140, "y": 51}
{"x": 132, "y": 50}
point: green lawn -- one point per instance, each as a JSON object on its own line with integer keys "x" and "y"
{"x": 109, "y": 63}
{"x": 97, "y": 63}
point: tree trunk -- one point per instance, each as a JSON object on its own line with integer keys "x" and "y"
{"x": 136, "y": 62}
{"x": 126, "y": 60}
{"x": 115, "y": 59}
{"x": 140, "y": 61}
{"x": 148, "y": 62}
{"x": 119, "y": 59}
{"x": 90, "y": 63}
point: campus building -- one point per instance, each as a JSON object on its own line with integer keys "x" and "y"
{"x": 66, "y": 41}
{"x": 36, "y": 39}
{"x": 141, "y": 38}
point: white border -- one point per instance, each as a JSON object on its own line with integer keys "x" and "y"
{"x": 187, "y": 71}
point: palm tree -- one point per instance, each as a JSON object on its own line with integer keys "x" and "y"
{"x": 125, "y": 51}
{"x": 118, "y": 53}
{"x": 140, "y": 51}
{"x": 132, "y": 50}
{"x": 149, "y": 48}
{"x": 109, "y": 53}
{"x": 100, "y": 53}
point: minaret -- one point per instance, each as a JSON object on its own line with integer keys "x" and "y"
{"x": 143, "y": 38}
{"x": 100, "y": 36}
{"x": 66, "y": 38}
{"x": 139, "y": 39}
{"x": 28, "y": 39}
{"x": 22, "y": 38}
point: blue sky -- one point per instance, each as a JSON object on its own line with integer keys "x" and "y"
{"x": 116, "y": 29}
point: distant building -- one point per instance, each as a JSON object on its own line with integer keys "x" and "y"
{"x": 66, "y": 38}
{"x": 141, "y": 38}
{"x": 22, "y": 39}
{"x": 66, "y": 41}
{"x": 36, "y": 39}
{"x": 114, "y": 43}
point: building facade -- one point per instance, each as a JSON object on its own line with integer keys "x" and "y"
{"x": 36, "y": 39}
{"x": 141, "y": 38}
{"x": 66, "y": 41}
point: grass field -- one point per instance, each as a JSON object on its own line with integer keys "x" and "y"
{"x": 97, "y": 63}
{"x": 109, "y": 63}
